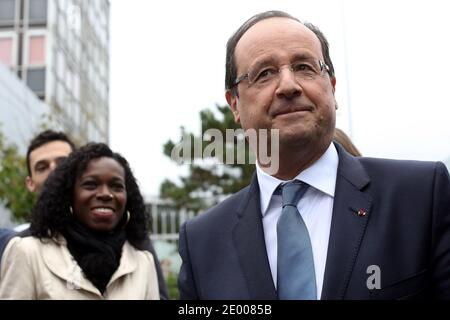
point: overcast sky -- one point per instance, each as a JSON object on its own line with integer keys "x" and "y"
{"x": 391, "y": 59}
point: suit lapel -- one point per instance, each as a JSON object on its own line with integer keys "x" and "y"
{"x": 249, "y": 241}
{"x": 351, "y": 212}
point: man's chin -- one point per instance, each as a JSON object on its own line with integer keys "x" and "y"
{"x": 298, "y": 137}
{"x": 295, "y": 133}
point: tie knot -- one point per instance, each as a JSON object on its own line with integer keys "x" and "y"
{"x": 292, "y": 192}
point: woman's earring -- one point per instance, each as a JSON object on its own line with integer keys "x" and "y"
{"x": 71, "y": 210}
{"x": 128, "y": 219}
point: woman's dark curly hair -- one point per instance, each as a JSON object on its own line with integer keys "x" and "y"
{"x": 51, "y": 213}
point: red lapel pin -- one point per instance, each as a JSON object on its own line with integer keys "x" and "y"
{"x": 361, "y": 213}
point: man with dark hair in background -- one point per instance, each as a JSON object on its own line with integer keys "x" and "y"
{"x": 44, "y": 153}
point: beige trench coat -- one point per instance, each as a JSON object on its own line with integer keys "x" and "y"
{"x": 31, "y": 269}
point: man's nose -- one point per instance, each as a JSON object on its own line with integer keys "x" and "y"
{"x": 288, "y": 85}
{"x": 53, "y": 165}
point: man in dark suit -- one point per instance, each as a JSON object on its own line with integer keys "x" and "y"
{"x": 363, "y": 228}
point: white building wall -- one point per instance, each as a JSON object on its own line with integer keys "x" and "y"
{"x": 21, "y": 115}
{"x": 21, "y": 112}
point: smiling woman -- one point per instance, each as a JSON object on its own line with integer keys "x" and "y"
{"x": 100, "y": 195}
{"x": 89, "y": 235}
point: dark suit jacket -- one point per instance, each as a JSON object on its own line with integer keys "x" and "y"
{"x": 147, "y": 245}
{"x": 405, "y": 232}
{"x": 5, "y": 236}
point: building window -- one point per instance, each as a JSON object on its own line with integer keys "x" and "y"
{"x": 7, "y": 12}
{"x": 34, "y": 61}
{"x": 6, "y": 51}
{"x": 36, "y": 53}
{"x": 36, "y": 81}
{"x": 37, "y": 12}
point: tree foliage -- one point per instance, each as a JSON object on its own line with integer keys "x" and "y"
{"x": 13, "y": 171}
{"x": 209, "y": 180}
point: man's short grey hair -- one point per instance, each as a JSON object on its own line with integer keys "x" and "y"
{"x": 230, "y": 63}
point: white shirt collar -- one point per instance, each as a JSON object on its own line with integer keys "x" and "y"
{"x": 321, "y": 175}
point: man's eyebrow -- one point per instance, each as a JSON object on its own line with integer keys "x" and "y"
{"x": 302, "y": 56}
{"x": 270, "y": 60}
{"x": 262, "y": 62}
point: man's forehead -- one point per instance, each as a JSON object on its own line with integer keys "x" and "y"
{"x": 50, "y": 151}
{"x": 273, "y": 33}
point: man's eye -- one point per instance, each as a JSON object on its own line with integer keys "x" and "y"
{"x": 266, "y": 74}
{"x": 41, "y": 168}
{"x": 303, "y": 67}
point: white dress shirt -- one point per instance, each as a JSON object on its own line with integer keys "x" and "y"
{"x": 315, "y": 207}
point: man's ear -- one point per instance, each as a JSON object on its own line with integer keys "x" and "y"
{"x": 30, "y": 184}
{"x": 232, "y": 102}
{"x": 333, "y": 83}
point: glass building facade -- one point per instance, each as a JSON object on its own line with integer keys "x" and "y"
{"x": 60, "y": 49}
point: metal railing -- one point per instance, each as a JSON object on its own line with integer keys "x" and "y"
{"x": 167, "y": 220}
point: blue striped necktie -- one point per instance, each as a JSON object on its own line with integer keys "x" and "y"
{"x": 295, "y": 270}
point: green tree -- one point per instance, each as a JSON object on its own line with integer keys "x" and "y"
{"x": 13, "y": 192}
{"x": 209, "y": 179}
{"x": 172, "y": 286}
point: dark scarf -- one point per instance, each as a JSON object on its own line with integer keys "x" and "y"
{"x": 98, "y": 254}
